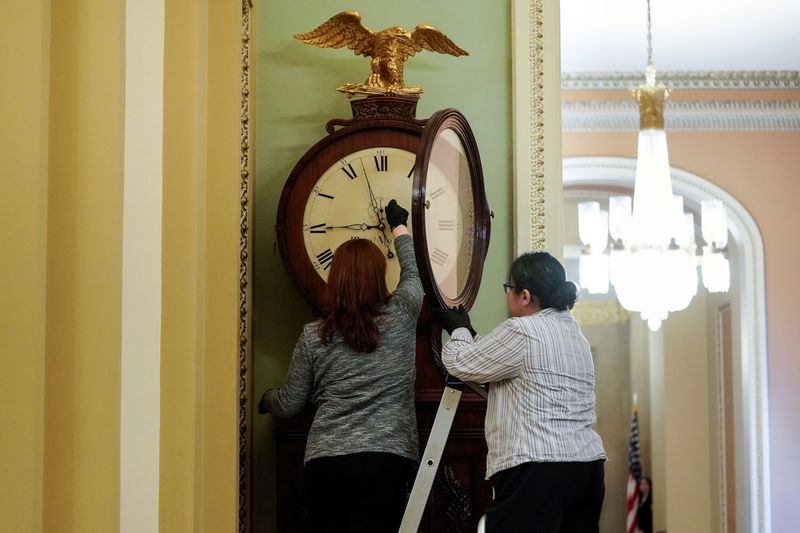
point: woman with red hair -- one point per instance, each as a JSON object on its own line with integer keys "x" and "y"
{"x": 356, "y": 365}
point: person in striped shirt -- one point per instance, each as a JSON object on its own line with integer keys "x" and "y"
{"x": 545, "y": 461}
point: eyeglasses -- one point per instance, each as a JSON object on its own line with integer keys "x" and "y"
{"x": 507, "y": 288}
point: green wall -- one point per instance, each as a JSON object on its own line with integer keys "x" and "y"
{"x": 296, "y": 95}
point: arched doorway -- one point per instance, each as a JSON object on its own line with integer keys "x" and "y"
{"x": 750, "y": 386}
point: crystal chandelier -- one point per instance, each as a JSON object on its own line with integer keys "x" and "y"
{"x": 653, "y": 260}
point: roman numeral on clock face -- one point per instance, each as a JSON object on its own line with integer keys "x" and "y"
{"x": 381, "y": 163}
{"x": 324, "y": 258}
{"x": 350, "y": 171}
{"x": 317, "y": 228}
{"x": 437, "y": 193}
{"x": 439, "y": 257}
{"x": 447, "y": 225}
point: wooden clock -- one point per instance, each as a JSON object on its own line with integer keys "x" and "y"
{"x": 338, "y": 188}
{"x": 337, "y": 191}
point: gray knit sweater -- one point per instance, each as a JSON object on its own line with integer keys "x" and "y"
{"x": 365, "y": 401}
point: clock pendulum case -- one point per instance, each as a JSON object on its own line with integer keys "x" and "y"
{"x": 337, "y": 191}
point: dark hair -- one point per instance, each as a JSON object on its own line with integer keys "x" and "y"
{"x": 356, "y": 293}
{"x": 649, "y": 483}
{"x": 545, "y": 279}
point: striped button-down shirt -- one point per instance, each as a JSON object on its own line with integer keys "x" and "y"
{"x": 541, "y": 405}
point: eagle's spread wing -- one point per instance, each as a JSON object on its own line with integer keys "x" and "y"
{"x": 433, "y": 40}
{"x": 344, "y": 29}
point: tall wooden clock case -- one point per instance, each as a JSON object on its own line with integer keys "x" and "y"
{"x": 337, "y": 191}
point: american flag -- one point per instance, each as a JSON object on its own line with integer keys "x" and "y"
{"x": 634, "y": 475}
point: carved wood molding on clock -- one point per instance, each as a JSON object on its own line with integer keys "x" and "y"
{"x": 379, "y": 107}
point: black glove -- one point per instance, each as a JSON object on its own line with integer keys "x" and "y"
{"x": 396, "y": 215}
{"x": 452, "y": 319}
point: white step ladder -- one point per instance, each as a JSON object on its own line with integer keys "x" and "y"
{"x": 433, "y": 453}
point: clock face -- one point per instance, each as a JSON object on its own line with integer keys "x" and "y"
{"x": 347, "y": 202}
{"x": 449, "y": 216}
{"x": 450, "y": 211}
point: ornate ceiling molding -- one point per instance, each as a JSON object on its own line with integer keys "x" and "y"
{"x": 685, "y": 115}
{"x": 776, "y": 79}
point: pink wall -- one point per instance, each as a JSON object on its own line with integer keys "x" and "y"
{"x": 762, "y": 171}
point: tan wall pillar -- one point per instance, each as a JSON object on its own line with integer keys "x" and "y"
{"x": 62, "y": 190}
{"x": 61, "y": 343}
{"x": 84, "y": 243}
{"x": 199, "y": 387}
{"x": 23, "y": 237}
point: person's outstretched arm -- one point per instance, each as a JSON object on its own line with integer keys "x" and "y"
{"x": 409, "y": 290}
{"x": 497, "y": 356}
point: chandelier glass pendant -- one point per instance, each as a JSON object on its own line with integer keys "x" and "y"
{"x": 653, "y": 260}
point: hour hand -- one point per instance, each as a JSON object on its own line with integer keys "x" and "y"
{"x": 363, "y": 226}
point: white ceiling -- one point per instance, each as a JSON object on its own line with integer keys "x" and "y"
{"x": 699, "y": 35}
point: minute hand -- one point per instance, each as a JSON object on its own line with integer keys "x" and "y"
{"x": 372, "y": 200}
{"x": 378, "y": 210}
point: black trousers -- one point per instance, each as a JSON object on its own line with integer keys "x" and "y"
{"x": 357, "y": 493}
{"x": 547, "y": 498}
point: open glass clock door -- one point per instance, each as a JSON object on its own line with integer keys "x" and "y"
{"x": 450, "y": 212}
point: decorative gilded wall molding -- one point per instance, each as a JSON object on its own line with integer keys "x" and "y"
{"x": 536, "y": 123}
{"x": 599, "y": 313}
{"x": 528, "y": 121}
{"x": 245, "y": 269}
{"x": 777, "y": 79}
{"x": 685, "y": 115}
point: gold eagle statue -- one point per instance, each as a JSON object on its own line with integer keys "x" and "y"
{"x": 389, "y": 50}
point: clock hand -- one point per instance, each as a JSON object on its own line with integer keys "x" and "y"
{"x": 363, "y": 226}
{"x": 372, "y": 200}
{"x": 378, "y": 210}
{"x": 386, "y": 240}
